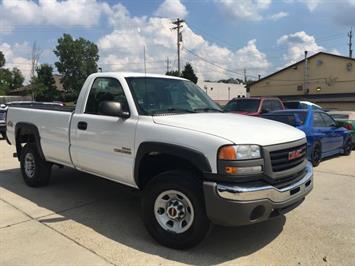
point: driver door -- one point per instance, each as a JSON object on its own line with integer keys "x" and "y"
{"x": 100, "y": 144}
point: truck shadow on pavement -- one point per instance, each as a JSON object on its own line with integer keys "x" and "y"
{"x": 113, "y": 211}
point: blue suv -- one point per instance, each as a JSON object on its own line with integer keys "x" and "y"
{"x": 324, "y": 136}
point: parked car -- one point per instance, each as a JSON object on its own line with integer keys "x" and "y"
{"x": 254, "y": 106}
{"x": 3, "y": 109}
{"x": 324, "y": 136}
{"x": 164, "y": 136}
{"x": 301, "y": 105}
{"x": 347, "y": 120}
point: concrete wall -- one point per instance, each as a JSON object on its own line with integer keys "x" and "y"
{"x": 223, "y": 92}
{"x": 327, "y": 74}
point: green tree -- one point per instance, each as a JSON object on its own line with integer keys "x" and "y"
{"x": 17, "y": 78}
{"x": 5, "y": 81}
{"x": 10, "y": 80}
{"x": 43, "y": 84}
{"x": 2, "y": 59}
{"x": 174, "y": 73}
{"x": 188, "y": 73}
{"x": 77, "y": 58}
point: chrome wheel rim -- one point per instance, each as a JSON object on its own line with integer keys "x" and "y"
{"x": 174, "y": 211}
{"x": 30, "y": 165}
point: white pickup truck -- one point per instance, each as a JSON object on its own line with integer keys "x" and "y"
{"x": 194, "y": 164}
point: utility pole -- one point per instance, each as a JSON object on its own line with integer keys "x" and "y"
{"x": 350, "y": 35}
{"x": 178, "y": 22}
{"x": 245, "y": 76}
{"x": 145, "y": 65}
{"x": 167, "y": 65}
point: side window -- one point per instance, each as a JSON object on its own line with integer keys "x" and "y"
{"x": 317, "y": 120}
{"x": 276, "y": 105}
{"x": 105, "y": 89}
{"x": 329, "y": 122}
{"x": 267, "y": 106}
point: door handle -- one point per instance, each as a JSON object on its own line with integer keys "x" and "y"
{"x": 82, "y": 125}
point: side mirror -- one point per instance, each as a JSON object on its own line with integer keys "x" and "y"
{"x": 110, "y": 108}
{"x": 264, "y": 111}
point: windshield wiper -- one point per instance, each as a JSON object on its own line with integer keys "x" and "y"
{"x": 206, "y": 109}
{"x": 174, "y": 110}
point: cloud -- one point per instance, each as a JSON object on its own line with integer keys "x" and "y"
{"x": 18, "y": 55}
{"x": 171, "y": 9}
{"x": 249, "y": 10}
{"x": 278, "y": 16}
{"x": 122, "y": 49}
{"x": 310, "y": 4}
{"x": 344, "y": 13}
{"x": 50, "y": 12}
{"x": 296, "y": 44}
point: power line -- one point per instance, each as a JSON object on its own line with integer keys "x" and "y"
{"x": 218, "y": 66}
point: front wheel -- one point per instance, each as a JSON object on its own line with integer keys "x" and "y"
{"x": 173, "y": 210}
{"x": 316, "y": 154}
{"x": 348, "y": 146}
{"x": 35, "y": 170}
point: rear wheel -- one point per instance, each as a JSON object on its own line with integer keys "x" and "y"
{"x": 173, "y": 210}
{"x": 316, "y": 154}
{"x": 348, "y": 146}
{"x": 35, "y": 171}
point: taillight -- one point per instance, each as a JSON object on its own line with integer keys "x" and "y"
{"x": 348, "y": 126}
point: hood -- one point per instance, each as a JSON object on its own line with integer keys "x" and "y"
{"x": 239, "y": 129}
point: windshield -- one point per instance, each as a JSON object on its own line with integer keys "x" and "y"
{"x": 243, "y": 105}
{"x": 162, "y": 95}
{"x": 292, "y": 119}
{"x": 292, "y": 105}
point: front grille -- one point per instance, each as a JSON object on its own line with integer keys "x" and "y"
{"x": 2, "y": 116}
{"x": 286, "y": 181}
{"x": 281, "y": 160}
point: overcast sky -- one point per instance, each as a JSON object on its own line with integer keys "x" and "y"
{"x": 220, "y": 37}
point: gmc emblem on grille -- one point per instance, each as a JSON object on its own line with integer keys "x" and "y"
{"x": 295, "y": 154}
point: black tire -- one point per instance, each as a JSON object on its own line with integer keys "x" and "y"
{"x": 316, "y": 154}
{"x": 348, "y": 146}
{"x": 41, "y": 170}
{"x": 191, "y": 187}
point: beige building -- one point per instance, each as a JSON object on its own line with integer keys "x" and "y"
{"x": 329, "y": 80}
{"x": 221, "y": 93}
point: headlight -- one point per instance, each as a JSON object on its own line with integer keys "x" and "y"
{"x": 239, "y": 152}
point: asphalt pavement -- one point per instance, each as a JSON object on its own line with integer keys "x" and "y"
{"x": 80, "y": 219}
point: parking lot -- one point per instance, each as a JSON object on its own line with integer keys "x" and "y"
{"x": 80, "y": 219}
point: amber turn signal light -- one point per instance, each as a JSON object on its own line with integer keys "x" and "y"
{"x": 227, "y": 153}
{"x": 230, "y": 170}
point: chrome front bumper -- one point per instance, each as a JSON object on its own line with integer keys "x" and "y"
{"x": 247, "y": 192}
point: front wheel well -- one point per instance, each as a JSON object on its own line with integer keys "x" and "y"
{"x": 153, "y": 164}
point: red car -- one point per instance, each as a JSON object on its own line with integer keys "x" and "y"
{"x": 254, "y": 106}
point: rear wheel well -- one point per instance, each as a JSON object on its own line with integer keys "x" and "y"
{"x": 27, "y": 133}
{"x": 154, "y": 164}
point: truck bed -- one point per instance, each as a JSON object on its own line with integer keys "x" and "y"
{"x": 53, "y": 124}
{"x": 43, "y": 106}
